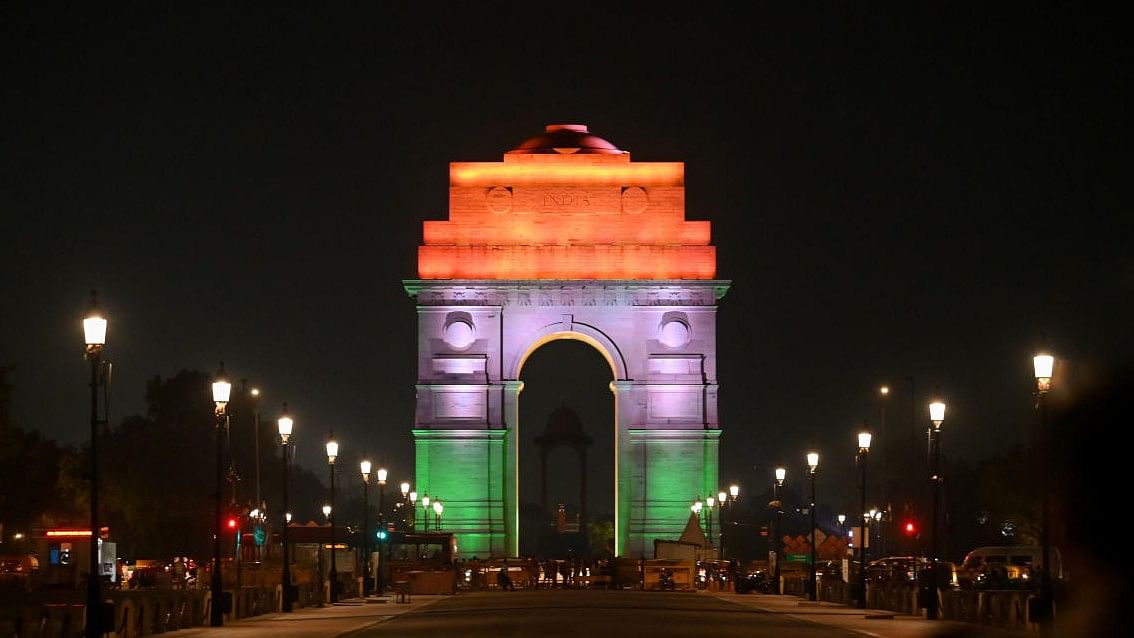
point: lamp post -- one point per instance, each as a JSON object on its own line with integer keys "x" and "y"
{"x": 709, "y": 503}
{"x": 285, "y": 424}
{"x": 255, "y": 394}
{"x": 405, "y": 488}
{"x": 382, "y": 474}
{"x": 842, "y": 518}
{"x": 333, "y": 573}
{"x": 936, "y": 417}
{"x": 437, "y": 509}
{"x": 94, "y": 334}
{"x": 781, "y": 474}
{"x": 222, "y": 389}
{"x": 864, "y": 437}
{"x": 1043, "y": 365}
{"x": 812, "y": 466}
{"x": 697, "y": 506}
{"x": 413, "y": 510}
{"x": 425, "y": 510}
{"x": 722, "y": 502}
{"x": 364, "y": 467}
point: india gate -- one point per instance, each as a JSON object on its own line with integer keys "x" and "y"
{"x": 566, "y": 238}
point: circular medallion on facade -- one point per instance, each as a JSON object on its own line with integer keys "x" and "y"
{"x": 459, "y": 335}
{"x": 673, "y": 333}
{"x": 634, "y": 199}
{"x": 499, "y": 199}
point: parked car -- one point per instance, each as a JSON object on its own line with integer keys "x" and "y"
{"x": 753, "y": 580}
{"x": 1006, "y": 567}
{"x": 896, "y": 569}
{"x": 18, "y": 570}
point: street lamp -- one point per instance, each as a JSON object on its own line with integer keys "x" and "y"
{"x": 222, "y": 389}
{"x": 413, "y": 510}
{"x": 1043, "y": 365}
{"x": 722, "y": 501}
{"x": 709, "y": 502}
{"x": 437, "y": 509}
{"x": 813, "y": 466}
{"x": 94, "y": 334}
{"x": 781, "y": 474}
{"x": 864, "y": 438}
{"x": 364, "y": 467}
{"x": 285, "y": 424}
{"x": 425, "y": 510}
{"x": 382, "y": 474}
{"x": 333, "y": 574}
{"x": 254, "y": 393}
{"x": 936, "y": 417}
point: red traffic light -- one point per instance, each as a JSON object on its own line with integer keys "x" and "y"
{"x": 911, "y": 529}
{"x": 232, "y": 523}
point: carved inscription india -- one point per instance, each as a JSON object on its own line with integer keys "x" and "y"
{"x": 566, "y": 199}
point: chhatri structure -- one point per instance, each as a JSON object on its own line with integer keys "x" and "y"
{"x": 566, "y": 239}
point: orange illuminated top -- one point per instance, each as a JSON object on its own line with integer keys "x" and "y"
{"x": 566, "y": 204}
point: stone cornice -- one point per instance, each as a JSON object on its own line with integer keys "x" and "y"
{"x": 566, "y": 292}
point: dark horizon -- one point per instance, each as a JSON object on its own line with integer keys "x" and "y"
{"x": 922, "y": 193}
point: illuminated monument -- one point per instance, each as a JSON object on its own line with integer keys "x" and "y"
{"x": 566, "y": 239}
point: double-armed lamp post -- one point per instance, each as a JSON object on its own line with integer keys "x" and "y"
{"x": 94, "y": 333}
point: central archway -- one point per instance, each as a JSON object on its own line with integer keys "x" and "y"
{"x": 566, "y": 449}
{"x": 566, "y": 239}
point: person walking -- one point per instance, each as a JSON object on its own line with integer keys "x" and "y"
{"x": 503, "y": 580}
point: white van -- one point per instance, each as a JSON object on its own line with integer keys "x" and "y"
{"x": 1006, "y": 566}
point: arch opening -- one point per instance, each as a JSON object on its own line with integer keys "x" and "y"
{"x": 566, "y": 440}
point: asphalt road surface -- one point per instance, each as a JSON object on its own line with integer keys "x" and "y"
{"x": 575, "y": 613}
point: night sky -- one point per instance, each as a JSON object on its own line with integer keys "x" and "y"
{"x": 894, "y": 193}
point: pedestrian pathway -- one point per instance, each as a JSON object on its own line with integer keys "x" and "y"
{"x": 867, "y": 622}
{"x": 315, "y": 622}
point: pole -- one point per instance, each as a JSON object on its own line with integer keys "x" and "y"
{"x": 333, "y": 573}
{"x": 259, "y": 502}
{"x": 864, "y": 536}
{"x": 216, "y": 612}
{"x": 256, "y": 429}
{"x": 380, "y": 583}
{"x": 365, "y": 535}
{"x": 935, "y": 446}
{"x": 812, "y": 593}
{"x": 775, "y": 537}
{"x": 94, "y": 579}
{"x": 286, "y": 603}
{"x": 1047, "y": 612}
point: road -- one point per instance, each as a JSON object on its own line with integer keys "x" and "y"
{"x": 574, "y": 613}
